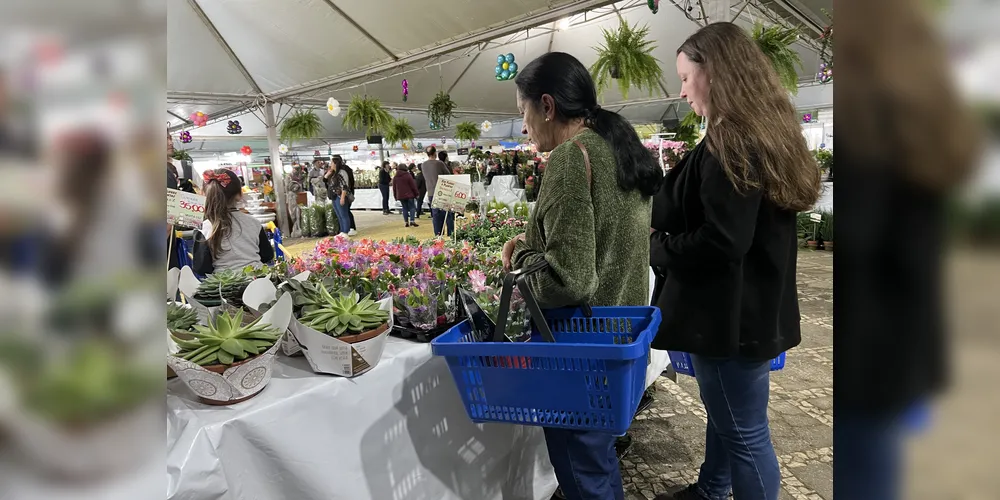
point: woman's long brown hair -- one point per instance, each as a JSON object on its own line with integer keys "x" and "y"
{"x": 219, "y": 201}
{"x": 753, "y": 128}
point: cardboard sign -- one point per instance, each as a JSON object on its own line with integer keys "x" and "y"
{"x": 816, "y": 217}
{"x": 453, "y": 192}
{"x": 185, "y": 209}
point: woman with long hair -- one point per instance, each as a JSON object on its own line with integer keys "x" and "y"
{"x": 339, "y": 182}
{"x": 589, "y": 225}
{"x": 232, "y": 239}
{"x": 723, "y": 244}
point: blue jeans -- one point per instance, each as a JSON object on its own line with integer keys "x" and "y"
{"x": 869, "y": 455}
{"x": 585, "y": 464}
{"x": 739, "y": 455}
{"x": 343, "y": 215}
{"x": 438, "y": 218}
{"x": 409, "y": 210}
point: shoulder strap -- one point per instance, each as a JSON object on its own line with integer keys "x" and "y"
{"x": 586, "y": 159}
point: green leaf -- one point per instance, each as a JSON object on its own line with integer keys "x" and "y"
{"x": 398, "y": 131}
{"x": 628, "y": 50}
{"x": 232, "y": 346}
{"x": 302, "y": 125}
{"x": 776, "y": 43}
{"x": 225, "y": 357}
{"x": 441, "y": 110}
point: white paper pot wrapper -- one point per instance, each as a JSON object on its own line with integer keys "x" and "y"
{"x": 262, "y": 291}
{"x": 241, "y": 381}
{"x": 103, "y": 449}
{"x": 326, "y": 354}
{"x": 188, "y": 285}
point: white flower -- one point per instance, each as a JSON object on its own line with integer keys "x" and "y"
{"x": 282, "y": 149}
{"x": 333, "y": 106}
{"x": 486, "y": 126}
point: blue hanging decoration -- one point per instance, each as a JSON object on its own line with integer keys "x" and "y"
{"x": 506, "y": 68}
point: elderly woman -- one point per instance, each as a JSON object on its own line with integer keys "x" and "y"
{"x": 591, "y": 225}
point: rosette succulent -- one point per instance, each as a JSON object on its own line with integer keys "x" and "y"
{"x": 180, "y": 318}
{"x": 227, "y": 340}
{"x": 348, "y": 314}
{"x": 227, "y": 285}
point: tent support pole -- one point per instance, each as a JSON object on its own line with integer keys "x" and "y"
{"x": 277, "y": 172}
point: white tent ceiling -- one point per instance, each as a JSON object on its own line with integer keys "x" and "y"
{"x": 300, "y": 52}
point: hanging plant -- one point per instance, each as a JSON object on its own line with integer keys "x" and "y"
{"x": 303, "y": 125}
{"x": 367, "y": 114}
{"x": 825, "y": 73}
{"x": 399, "y": 131}
{"x": 181, "y": 154}
{"x": 467, "y": 131}
{"x": 441, "y": 110}
{"x": 776, "y": 43}
{"x": 626, "y": 56}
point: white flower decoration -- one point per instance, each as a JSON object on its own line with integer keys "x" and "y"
{"x": 282, "y": 149}
{"x": 486, "y": 126}
{"x": 333, "y": 106}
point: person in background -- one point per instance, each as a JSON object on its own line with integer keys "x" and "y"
{"x": 449, "y": 217}
{"x": 384, "y": 180}
{"x": 340, "y": 194}
{"x": 404, "y": 189}
{"x": 350, "y": 186}
{"x": 590, "y": 226}
{"x": 229, "y": 238}
{"x": 172, "y": 178}
{"x": 724, "y": 248}
{"x": 421, "y": 188}
{"x": 432, "y": 168}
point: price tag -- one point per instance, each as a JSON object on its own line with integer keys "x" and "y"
{"x": 185, "y": 209}
{"x": 452, "y": 192}
{"x": 816, "y": 217}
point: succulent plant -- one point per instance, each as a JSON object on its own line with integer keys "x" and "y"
{"x": 348, "y": 314}
{"x": 226, "y": 285}
{"x": 180, "y": 318}
{"x": 226, "y": 340}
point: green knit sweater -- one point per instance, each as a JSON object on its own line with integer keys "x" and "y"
{"x": 595, "y": 238}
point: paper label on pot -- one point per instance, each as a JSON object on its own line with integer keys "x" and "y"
{"x": 326, "y": 354}
{"x": 235, "y": 383}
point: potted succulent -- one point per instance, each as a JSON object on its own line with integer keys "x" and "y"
{"x": 627, "y": 56}
{"x": 181, "y": 320}
{"x": 227, "y": 342}
{"x": 348, "y": 318}
{"x": 224, "y": 286}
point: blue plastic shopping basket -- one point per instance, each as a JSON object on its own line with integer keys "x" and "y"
{"x": 681, "y": 362}
{"x": 583, "y": 368}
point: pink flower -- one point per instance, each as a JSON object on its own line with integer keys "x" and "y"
{"x": 477, "y": 279}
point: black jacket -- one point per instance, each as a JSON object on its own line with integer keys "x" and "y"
{"x": 384, "y": 178}
{"x": 725, "y": 265}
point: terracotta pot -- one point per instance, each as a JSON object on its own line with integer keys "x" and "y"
{"x": 828, "y": 245}
{"x": 812, "y": 244}
{"x": 361, "y": 337}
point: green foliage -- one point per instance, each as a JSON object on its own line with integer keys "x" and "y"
{"x": 521, "y": 210}
{"x": 441, "y": 110}
{"x": 627, "y": 56}
{"x": 181, "y": 154}
{"x": 467, "y": 131}
{"x": 367, "y": 114}
{"x": 302, "y": 125}
{"x": 226, "y": 340}
{"x": 496, "y": 208}
{"x": 399, "y": 131}
{"x": 488, "y": 234}
{"x": 826, "y": 227}
{"x": 348, "y": 314}
{"x": 804, "y": 226}
{"x": 824, "y": 157}
{"x": 89, "y": 384}
{"x": 180, "y": 318}
{"x": 226, "y": 285}
{"x": 776, "y": 43}
{"x": 686, "y": 130}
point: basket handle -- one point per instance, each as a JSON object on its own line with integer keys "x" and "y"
{"x": 518, "y": 277}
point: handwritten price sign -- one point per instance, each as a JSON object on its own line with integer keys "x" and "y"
{"x": 185, "y": 209}
{"x": 452, "y": 192}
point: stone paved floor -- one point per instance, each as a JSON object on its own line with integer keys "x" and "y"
{"x": 669, "y": 436}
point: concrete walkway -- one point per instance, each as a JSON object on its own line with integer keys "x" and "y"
{"x": 669, "y": 437}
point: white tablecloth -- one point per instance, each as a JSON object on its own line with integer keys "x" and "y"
{"x": 371, "y": 199}
{"x": 398, "y": 432}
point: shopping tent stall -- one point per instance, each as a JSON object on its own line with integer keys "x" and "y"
{"x": 256, "y": 60}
